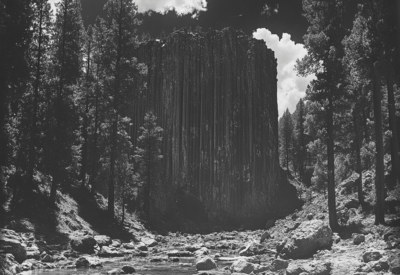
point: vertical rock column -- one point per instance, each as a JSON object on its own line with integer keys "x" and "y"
{"x": 215, "y": 95}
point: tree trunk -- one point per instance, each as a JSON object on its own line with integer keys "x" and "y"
{"x": 358, "y": 152}
{"x": 114, "y": 136}
{"x": 85, "y": 122}
{"x": 56, "y": 164}
{"x": 35, "y": 103}
{"x": 393, "y": 127}
{"x": 94, "y": 161}
{"x": 331, "y": 169}
{"x": 379, "y": 179}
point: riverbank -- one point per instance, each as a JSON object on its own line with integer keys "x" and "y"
{"x": 70, "y": 241}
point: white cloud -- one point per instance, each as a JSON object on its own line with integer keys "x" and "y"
{"x": 181, "y": 6}
{"x": 290, "y": 86}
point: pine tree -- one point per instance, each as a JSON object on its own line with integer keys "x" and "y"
{"x": 324, "y": 54}
{"x": 39, "y": 50}
{"x": 67, "y": 67}
{"x": 120, "y": 68}
{"x": 148, "y": 156}
{"x": 300, "y": 148}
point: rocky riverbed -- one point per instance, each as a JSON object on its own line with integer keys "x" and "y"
{"x": 299, "y": 244}
{"x": 292, "y": 246}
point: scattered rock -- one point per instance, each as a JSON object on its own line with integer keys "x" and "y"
{"x": 371, "y": 255}
{"x": 47, "y": 258}
{"x": 279, "y": 264}
{"x": 88, "y": 262}
{"x": 307, "y": 239}
{"x": 202, "y": 252}
{"x": 206, "y": 263}
{"x": 177, "y": 253}
{"x": 242, "y": 266}
{"x": 310, "y": 216}
{"x": 358, "y": 238}
{"x": 11, "y": 242}
{"x": 102, "y": 240}
{"x": 252, "y": 249}
{"x": 314, "y": 268}
{"x": 129, "y": 245}
{"x": 8, "y": 265}
{"x": 394, "y": 262}
{"x": 106, "y": 251}
{"x": 82, "y": 242}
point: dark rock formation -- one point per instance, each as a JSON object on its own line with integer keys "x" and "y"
{"x": 215, "y": 96}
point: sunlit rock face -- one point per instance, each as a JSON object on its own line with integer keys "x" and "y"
{"x": 215, "y": 96}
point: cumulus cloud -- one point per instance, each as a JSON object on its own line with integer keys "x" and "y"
{"x": 181, "y": 6}
{"x": 290, "y": 86}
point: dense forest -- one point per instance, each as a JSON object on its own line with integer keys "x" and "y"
{"x": 67, "y": 95}
{"x": 152, "y": 149}
{"x": 349, "y": 120}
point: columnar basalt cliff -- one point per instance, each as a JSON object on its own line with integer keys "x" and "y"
{"x": 215, "y": 95}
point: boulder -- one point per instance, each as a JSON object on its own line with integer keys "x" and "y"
{"x": 149, "y": 242}
{"x": 82, "y": 242}
{"x": 102, "y": 240}
{"x": 314, "y": 268}
{"x": 129, "y": 245}
{"x": 309, "y": 237}
{"x": 358, "y": 238}
{"x": 310, "y": 216}
{"x": 395, "y": 265}
{"x": 141, "y": 246}
{"x": 128, "y": 269}
{"x": 371, "y": 255}
{"x": 88, "y": 261}
{"x": 11, "y": 242}
{"x": 115, "y": 243}
{"x": 242, "y": 266}
{"x": 205, "y": 263}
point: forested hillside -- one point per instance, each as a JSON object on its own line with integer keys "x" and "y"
{"x": 348, "y": 122}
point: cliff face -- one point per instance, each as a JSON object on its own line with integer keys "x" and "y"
{"x": 215, "y": 95}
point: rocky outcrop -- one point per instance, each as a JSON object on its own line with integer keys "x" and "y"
{"x": 215, "y": 96}
{"x": 309, "y": 237}
{"x": 11, "y": 242}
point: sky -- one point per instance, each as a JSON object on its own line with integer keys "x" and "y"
{"x": 278, "y": 22}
